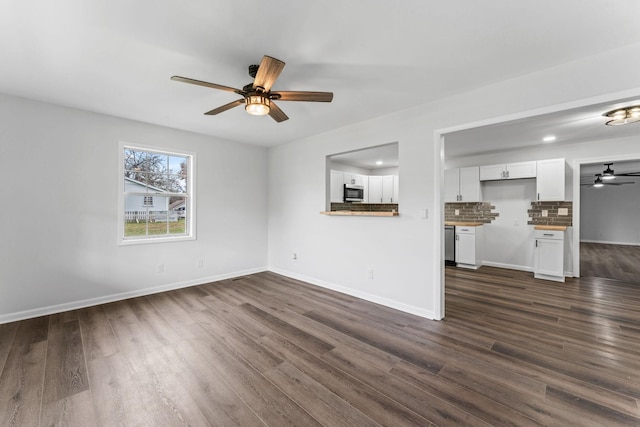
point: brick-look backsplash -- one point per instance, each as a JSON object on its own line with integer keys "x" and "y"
{"x": 369, "y": 207}
{"x": 470, "y": 212}
{"x": 552, "y": 218}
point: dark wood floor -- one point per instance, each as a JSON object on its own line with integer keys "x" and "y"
{"x": 267, "y": 350}
{"x": 619, "y": 262}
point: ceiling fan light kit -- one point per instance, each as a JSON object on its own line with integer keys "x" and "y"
{"x": 257, "y": 96}
{"x": 257, "y": 105}
{"x": 623, "y": 116}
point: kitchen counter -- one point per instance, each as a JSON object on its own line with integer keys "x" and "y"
{"x": 359, "y": 213}
{"x": 551, "y": 227}
{"x": 463, "y": 224}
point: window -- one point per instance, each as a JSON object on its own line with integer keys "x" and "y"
{"x": 156, "y": 197}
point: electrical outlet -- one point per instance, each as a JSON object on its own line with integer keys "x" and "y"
{"x": 370, "y": 274}
{"x": 456, "y": 212}
{"x": 424, "y": 213}
{"x": 545, "y": 213}
{"x": 200, "y": 262}
{"x": 160, "y": 268}
{"x": 516, "y": 222}
{"x": 563, "y": 211}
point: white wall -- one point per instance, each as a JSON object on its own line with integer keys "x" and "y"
{"x": 405, "y": 251}
{"x": 59, "y": 245}
{"x": 610, "y": 214}
{"x": 508, "y": 241}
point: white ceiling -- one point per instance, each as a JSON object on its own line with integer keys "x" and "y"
{"x": 116, "y": 57}
{"x": 569, "y": 126}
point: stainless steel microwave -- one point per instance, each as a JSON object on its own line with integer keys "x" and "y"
{"x": 353, "y": 193}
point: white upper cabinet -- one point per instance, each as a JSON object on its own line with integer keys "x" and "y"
{"x": 508, "y": 171}
{"x": 462, "y": 185}
{"x": 550, "y": 180}
{"x": 383, "y": 189}
{"x": 337, "y": 186}
{"x": 353, "y": 178}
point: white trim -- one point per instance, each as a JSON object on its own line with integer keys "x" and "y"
{"x": 411, "y": 309}
{"x": 191, "y": 196}
{"x": 75, "y": 305}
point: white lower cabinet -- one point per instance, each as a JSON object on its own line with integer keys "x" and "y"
{"x": 467, "y": 243}
{"x": 548, "y": 260}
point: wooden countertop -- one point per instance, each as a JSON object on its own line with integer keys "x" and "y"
{"x": 463, "y": 224}
{"x": 551, "y": 227}
{"x": 359, "y": 213}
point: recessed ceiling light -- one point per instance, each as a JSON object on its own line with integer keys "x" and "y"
{"x": 549, "y": 138}
{"x": 379, "y": 162}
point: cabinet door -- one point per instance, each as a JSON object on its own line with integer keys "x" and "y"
{"x": 470, "y": 184}
{"x": 352, "y": 178}
{"x": 387, "y": 189}
{"x": 549, "y": 257}
{"x": 365, "y": 185}
{"x": 492, "y": 172}
{"x": 451, "y": 185}
{"x": 521, "y": 170}
{"x": 466, "y": 249}
{"x": 337, "y": 187}
{"x": 550, "y": 180}
{"x": 396, "y": 189}
{"x": 375, "y": 189}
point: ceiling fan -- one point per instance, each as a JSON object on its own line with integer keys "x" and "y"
{"x": 600, "y": 182}
{"x": 257, "y": 96}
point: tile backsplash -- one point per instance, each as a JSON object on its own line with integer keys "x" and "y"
{"x": 369, "y": 207}
{"x": 551, "y": 213}
{"x": 470, "y": 212}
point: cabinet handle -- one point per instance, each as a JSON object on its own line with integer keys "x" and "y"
{"x": 457, "y": 237}
{"x": 548, "y": 234}
{"x": 538, "y": 196}
{"x": 507, "y": 174}
{"x": 536, "y": 243}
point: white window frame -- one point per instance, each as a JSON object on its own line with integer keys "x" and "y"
{"x": 190, "y": 232}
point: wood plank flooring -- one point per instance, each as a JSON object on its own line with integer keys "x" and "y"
{"x": 265, "y": 350}
{"x": 619, "y": 262}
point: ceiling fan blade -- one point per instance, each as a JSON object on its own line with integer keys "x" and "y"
{"x": 268, "y": 71}
{"x": 277, "y": 114}
{"x": 225, "y": 107}
{"x": 302, "y": 96}
{"x": 206, "y": 84}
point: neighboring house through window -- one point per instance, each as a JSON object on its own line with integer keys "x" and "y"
{"x": 156, "y": 197}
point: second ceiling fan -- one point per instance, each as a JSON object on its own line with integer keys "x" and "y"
{"x": 257, "y": 96}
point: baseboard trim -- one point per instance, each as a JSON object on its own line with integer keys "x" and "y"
{"x": 407, "y": 308}
{"x": 604, "y": 242}
{"x": 508, "y": 266}
{"x": 59, "y": 308}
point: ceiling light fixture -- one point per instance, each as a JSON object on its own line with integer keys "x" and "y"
{"x": 257, "y": 104}
{"x": 608, "y": 172}
{"x": 379, "y": 162}
{"x": 623, "y": 116}
{"x": 549, "y": 138}
{"x": 598, "y": 182}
